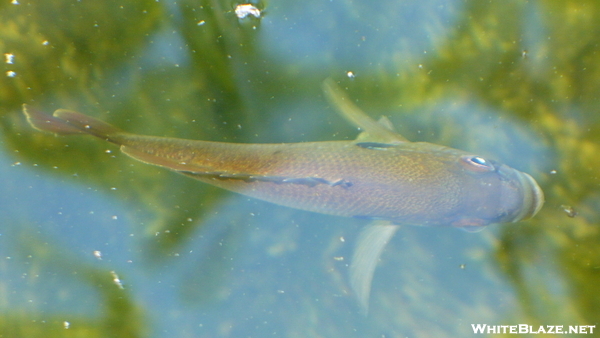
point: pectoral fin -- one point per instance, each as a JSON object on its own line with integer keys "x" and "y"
{"x": 380, "y": 131}
{"x": 369, "y": 246}
{"x": 473, "y": 228}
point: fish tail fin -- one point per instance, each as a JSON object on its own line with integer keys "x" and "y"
{"x": 66, "y": 122}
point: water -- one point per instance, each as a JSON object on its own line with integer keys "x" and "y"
{"x": 94, "y": 244}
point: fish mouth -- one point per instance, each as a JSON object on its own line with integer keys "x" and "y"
{"x": 533, "y": 197}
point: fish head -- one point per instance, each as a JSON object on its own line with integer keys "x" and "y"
{"x": 492, "y": 192}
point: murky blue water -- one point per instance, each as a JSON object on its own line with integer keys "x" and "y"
{"x": 95, "y": 244}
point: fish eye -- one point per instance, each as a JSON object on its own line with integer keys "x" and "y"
{"x": 477, "y": 163}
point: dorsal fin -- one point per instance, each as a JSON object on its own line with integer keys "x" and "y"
{"x": 384, "y": 121}
{"x": 372, "y": 131}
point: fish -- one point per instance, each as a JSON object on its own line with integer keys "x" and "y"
{"x": 380, "y": 176}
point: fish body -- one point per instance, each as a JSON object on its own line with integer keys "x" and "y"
{"x": 406, "y": 183}
{"x": 379, "y": 176}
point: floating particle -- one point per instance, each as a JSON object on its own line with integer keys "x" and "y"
{"x": 10, "y": 58}
{"x": 244, "y": 10}
{"x": 98, "y": 254}
{"x": 569, "y": 210}
{"x": 116, "y": 279}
